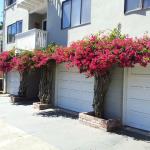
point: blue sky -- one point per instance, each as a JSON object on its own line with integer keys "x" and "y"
{"x": 1, "y": 9}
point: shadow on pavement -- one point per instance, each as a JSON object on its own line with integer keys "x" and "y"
{"x": 26, "y": 102}
{"x": 132, "y": 134}
{"x": 59, "y": 113}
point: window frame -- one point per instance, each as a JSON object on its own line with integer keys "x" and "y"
{"x": 145, "y": 7}
{"x": 82, "y": 16}
{"x": 44, "y": 20}
{"x": 16, "y": 32}
{"x": 134, "y": 10}
{"x": 17, "y": 26}
{"x": 70, "y": 25}
{"x": 62, "y": 16}
{"x": 8, "y": 37}
{"x": 9, "y": 5}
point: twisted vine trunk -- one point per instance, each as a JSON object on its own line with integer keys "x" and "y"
{"x": 23, "y": 86}
{"x": 101, "y": 85}
{"x": 46, "y": 85}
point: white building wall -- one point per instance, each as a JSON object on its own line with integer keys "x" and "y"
{"x": 13, "y": 14}
{"x": 101, "y": 19}
{"x": 105, "y": 15}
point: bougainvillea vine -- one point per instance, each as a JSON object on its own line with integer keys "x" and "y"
{"x": 95, "y": 56}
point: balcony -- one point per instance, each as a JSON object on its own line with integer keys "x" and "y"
{"x": 32, "y": 39}
{"x": 33, "y": 6}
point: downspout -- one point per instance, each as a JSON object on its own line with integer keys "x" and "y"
{"x": 4, "y": 46}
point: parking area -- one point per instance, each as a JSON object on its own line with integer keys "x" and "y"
{"x": 60, "y": 130}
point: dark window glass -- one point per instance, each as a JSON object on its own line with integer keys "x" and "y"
{"x": 19, "y": 26}
{"x": 10, "y": 2}
{"x": 45, "y": 25}
{"x": 75, "y": 13}
{"x": 9, "y": 34}
{"x": 133, "y": 5}
{"x": 12, "y": 30}
{"x": 86, "y": 15}
{"x": 66, "y": 14}
{"x": 146, "y": 4}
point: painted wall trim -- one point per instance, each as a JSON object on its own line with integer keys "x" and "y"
{"x": 125, "y": 85}
{"x": 56, "y": 86}
{"x": 5, "y": 84}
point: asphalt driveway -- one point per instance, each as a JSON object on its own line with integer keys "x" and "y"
{"x": 57, "y": 129}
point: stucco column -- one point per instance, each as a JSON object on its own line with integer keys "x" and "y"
{"x": 5, "y": 84}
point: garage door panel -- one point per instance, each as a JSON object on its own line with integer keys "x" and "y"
{"x": 76, "y": 94}
{"x": 13, "y": 82}
{"x": 70, "y": 76}
{"x": 139, "y": 81}
{"x": 80, "y": 106}
{"x": 74, "y": 90}
{"x": 139, "y": 93}
{"x": 140, "y": 70}
{"x": 75, "y": 85}
{"x": 142, "y": 119}
{"x": 139, "y": 105}
{"x": 62, "y": 68}
{"x": 138, "y": 98}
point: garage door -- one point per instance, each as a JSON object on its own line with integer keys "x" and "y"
{"x": 138, "y": 98}
{"x": 13, "y": 82}
{"x": 74, "y": 91}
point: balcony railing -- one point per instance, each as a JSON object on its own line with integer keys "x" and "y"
{"x": 32, "y": 39}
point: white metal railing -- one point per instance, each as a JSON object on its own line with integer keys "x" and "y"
{"x": 41, "y": 39}
{"x": 32, "y": 39}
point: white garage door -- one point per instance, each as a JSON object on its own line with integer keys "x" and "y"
{"x": 13, "y": 82}
{"x": 74, "y": 91}
{"x": 138, "y": 98}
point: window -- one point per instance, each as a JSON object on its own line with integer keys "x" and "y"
{"x": 86, "y": 15}
{"x": 19, "y": 26}
{"x": 146, "y": 4}
{"x": 12, "y": 30}
{"x": 66, "y": 14}
{"x": 10, "y": 2}
{"x": 44, "y": 25}
{"x": 133, "y": 5}
{"x": 11, "y": 33}
{"x": 75, "y": 13}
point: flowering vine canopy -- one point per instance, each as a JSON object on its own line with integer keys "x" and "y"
{"x": 98, "y": 53}
{"x": 95, "y": 54}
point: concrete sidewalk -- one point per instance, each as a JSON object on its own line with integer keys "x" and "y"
{"x": 12, "y": 138}
{"x": 56, "y": 130}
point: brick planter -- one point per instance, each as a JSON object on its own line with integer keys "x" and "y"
{"x": 18, "y": 99}
{"x": 107, "y": 125}
{"x": 41, "y": 106}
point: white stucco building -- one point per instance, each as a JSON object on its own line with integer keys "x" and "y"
{"x": 30, "y": 24}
